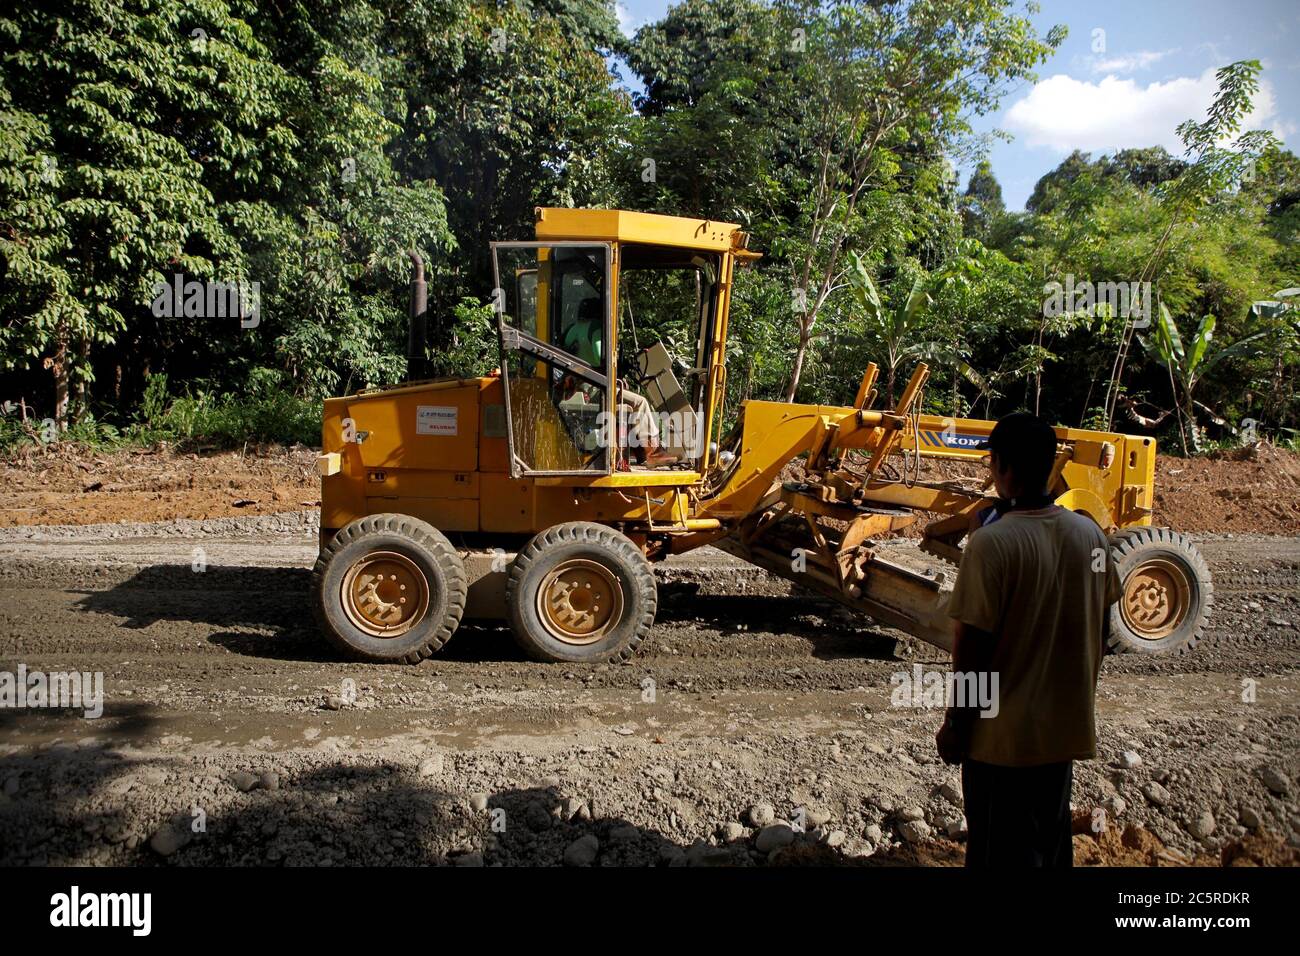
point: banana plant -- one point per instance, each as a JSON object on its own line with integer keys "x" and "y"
{"x": 1188, "y": 364}
{"x": 895, "y": 326}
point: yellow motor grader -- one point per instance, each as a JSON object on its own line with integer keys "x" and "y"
{"x": 544, "y": 492}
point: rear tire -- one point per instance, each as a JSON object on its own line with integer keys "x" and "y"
{"x": 389, "y": 588}
{"x": 1167, "y": 592}
{"x": 580, "y": 592}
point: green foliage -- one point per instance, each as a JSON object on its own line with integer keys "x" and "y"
{"x": 472, "y": 349}
{"x": 307, "y": 147}
{"x": 982, "y": 202}
{"x": 1188, "y": 364}
{"x": 230, "y": 420}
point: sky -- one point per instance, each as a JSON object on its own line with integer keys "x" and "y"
{"x": 1127, "y": 75}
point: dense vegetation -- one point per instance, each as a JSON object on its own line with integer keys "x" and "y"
{"x": 304, "y": 145}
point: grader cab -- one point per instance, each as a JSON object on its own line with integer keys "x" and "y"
{"x": 543, "y": 493}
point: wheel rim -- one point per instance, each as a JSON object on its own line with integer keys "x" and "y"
{"x": 580, "y": 601}
{"x": 385, "y": 594}
{"x": 1157, "y": 595}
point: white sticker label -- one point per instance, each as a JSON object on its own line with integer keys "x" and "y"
{"x": 436, "y": 419}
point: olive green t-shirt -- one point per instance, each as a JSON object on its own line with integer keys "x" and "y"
{"x": 1041, "y": 582}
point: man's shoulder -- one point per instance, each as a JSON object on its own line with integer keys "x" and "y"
{"x": 1067, "y": 524}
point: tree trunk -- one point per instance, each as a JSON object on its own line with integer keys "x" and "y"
{"x": 81, "y": 406}
{"x": 797, "y": 370}
{"x": 1189, "y": 410}
{"x": 58, "y": 367}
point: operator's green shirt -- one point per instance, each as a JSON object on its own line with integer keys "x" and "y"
{"x": 1041, "y": 582}
{"x": 585, "y": 339}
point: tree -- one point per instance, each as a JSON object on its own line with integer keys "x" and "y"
{"x": 895, "y": 326}
{"x": 881, "y": 83}
{"x": 982, "y": 202}
{"x": 1049, "y": 187}
{"x": 221, "y": 142}
{"x": 1188, "y": 365}
{"x": 680, "y": 58}
{"x": 506, "y": 109}
{"x": 1214, "y": 169}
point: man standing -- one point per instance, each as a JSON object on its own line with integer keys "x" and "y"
{"x": 1030, "y": 606}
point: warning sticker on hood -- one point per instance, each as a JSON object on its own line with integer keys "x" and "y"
{"x": 436, "y": 419}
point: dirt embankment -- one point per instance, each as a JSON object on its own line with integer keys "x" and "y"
{"x": 1249, "y": 490}
{"x": 72, "y": 486}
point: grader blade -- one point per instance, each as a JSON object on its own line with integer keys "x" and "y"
{"x": 882, "y": 590}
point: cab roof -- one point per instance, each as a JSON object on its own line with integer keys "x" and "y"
{"x": 618, "y": 225}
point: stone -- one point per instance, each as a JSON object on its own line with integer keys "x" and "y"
{"x": 1115, "y": 805}
{"x": 773, "y": 837}
{"x": 956, "y": 827}
{"x": 915, "y": 831}
{"x": 1202, "y": 825}
{"x": 911, "y": 814}
{"x": 836, "y": 838}
{"x": 431, "y": 766}
{"x": 732, "y": 831}
{"x": 1155, "y": 794}
{"x": 243, "y": 781}
{"x": 1275, "y": 780}
{"x": 478, "y": 801}
{"x": 761, "y": 814}
{"x": 269, "y": 781}
{"x": 169, "y": 838}
{"x": 1250, "y": 819}
{"x": 1130, "y": 760}
{"x": 582, "y": 851}
{"x": 624, "y": 834}
{"x": 873, "y": 833}
{"x": 817, "y": 816}
{"x": 951, "y": 792}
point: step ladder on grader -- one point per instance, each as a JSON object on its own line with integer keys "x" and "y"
{"x": 540, "y": 494}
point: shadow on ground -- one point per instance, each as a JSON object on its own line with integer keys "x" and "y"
{"x": 95, "y": 805}
{"x": 265, "y": 613}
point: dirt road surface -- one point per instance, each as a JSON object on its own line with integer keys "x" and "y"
{"x": 756, "y": 727}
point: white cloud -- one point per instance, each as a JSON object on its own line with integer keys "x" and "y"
{"x": 1128, "y": 62}
{"x": 1064, "y": 114}
{"x": 627, "y": 23}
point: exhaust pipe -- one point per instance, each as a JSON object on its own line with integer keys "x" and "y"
{"x": 416, "y": 363}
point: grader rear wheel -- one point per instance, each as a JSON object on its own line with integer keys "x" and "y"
{"x": 580, "y": 592}
{"x": 389, "y": 588}
{"x": 580, "y": 601}
{"x": 1167, "y": 592}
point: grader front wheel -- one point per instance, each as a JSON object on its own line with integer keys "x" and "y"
{"x": 1167, "y": 592}
{"x": 580, "y": 592}
{"x": 389, "y": 588}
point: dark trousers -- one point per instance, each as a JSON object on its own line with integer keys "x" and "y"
{"x": 1017, "y": 816}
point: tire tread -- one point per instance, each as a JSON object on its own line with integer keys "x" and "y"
{"x": 420, "y": 533}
